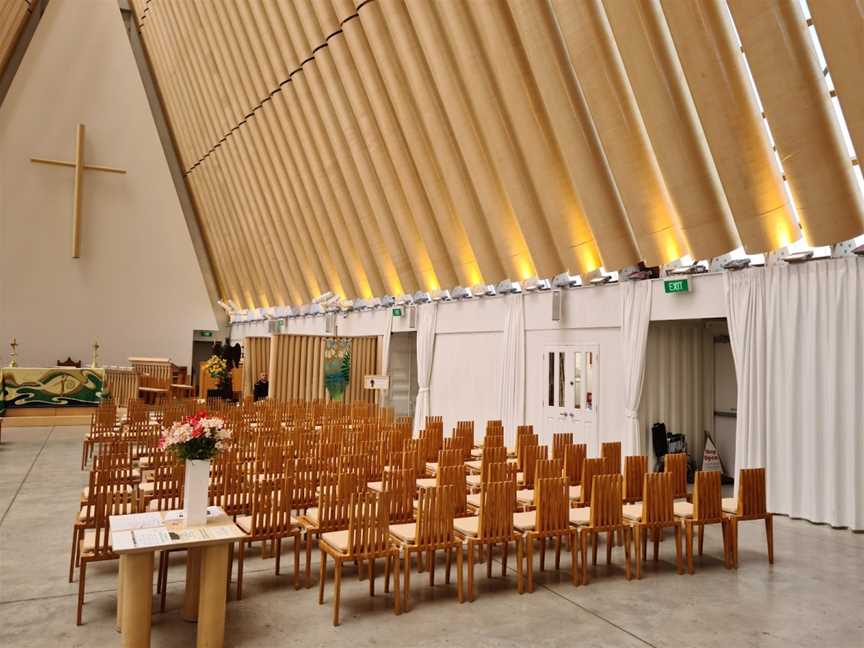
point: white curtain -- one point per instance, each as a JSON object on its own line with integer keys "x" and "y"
{"x": 427, "y": 320}
{"x": 385, "y": 351}
{"x": 512, "y": 382}
{"x": 796, "y": 334}
{"x": 636, "y": 306}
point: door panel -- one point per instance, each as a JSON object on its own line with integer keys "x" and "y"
{"x": 569, "y": 393}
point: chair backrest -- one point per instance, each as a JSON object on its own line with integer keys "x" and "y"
{"x": 606, "y": 507}
{"x": 544, "y": 468}
{"x": 675, "y": 463}
{"x": 522, "y": 442}
{"x": 451, "y": 457}
{"x": 435, "y": 513}
{"x": 305, "y": 482}
{"x": 611, "y": 451}
{"x": 168, "y": 486}
{"x": 368, "y": 526}
{"x": 106, "y": 505}
{"x": 495, "y": 426}
{"x": 657, "y": 499}
{"x": 334, "y": 500}
{"x": 574, "y": 460}
{"x": 493, "y": 439}
{"x": 497, "y": 454}
{"x": 552, "y": 504}
{"x": 417, "y": 446}
{"x": 590, "y": 468}
{"x": 560, "y": 440}
{"x": 751, "y": 492}
{"x": 635, "y": 467}
{"x": 454, "y": 476}
{"x": 401, "y": 485}
{"x": 497, "y": 503}
{"x": 530, "y": 455}
{"x": 707, "y": 496}
{"x": 433, "y": 441}
{"x": 272, "y": 503}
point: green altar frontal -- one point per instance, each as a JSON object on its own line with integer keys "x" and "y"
{"x": 50, "y": 388}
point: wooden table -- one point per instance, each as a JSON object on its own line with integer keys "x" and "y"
{"x": 206, "y": 574}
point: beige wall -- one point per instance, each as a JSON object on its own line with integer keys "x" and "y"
{"x": 137, "y": 287}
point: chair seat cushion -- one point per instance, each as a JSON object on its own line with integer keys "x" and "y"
{"x": 633, "y": 511}
{"x": 574, "y": 492}
{"x": 336, "y": 539}
{"x": 310, "y": 517}
{"x": 88, "y": 542}
{"x": 683, "y": 509}
{"x": 472, "y": 480}
{"x": 473, "y": 465}
{"x": 426, "y": 482}
{"x": 476, "y": 452}
{"x": 432, "y": 467}
{"x": 525, "y": 496}
{"x": 467, "y": 526}
{"x": 580, "y": 516}
{"x": 376, "y": 486}
{"x": 473, "y": 500}
{"x": 404, "y": 532}
{"x": 730, "y": 504}
{"x": 525, "y": 521}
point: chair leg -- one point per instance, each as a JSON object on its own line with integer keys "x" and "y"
{"x": 678, "y": 562}
{"x": 658, "y": 534}
{"x": 460, "y": 587}
{"x": 701, "y": 537}
{"x": 529, "y": 555}
{"x": 489, "y": 561}
{"x": 639, "y": 547}
{"x": 471, "y": 571}
{"x": 734, "y": 533}
{"x": 574, "y": 566}
{"x": 504, "y": 560}
{"x": 74, "y": 553}
{"x": 724, "y": 525}
{"x": 769, "y": 533}
{"x": 594, "y": 549}
{"x": 557, "y": 553}
{"x": 322, "y": 577}
{"x": 297, "y": 561}
{"x": 430, "y": 556}
{"x": 338, "y": 587}
{"x": 644, "y": 543}
{"x": 407, "y": 598}
{"x": 241, "y": 555}
{"x": 626, "y": 539}
{"x": 610, "y": 538}
{"x": 688, "y": 543}
{"x": 583, "y": 541}
{"x": 308, "y": 558}
{"x": 371, "y": 576}
{"x": 542, "y": 554}
{"x": 387, "y": 573}
{"x": 81, "y": 578}
{"x": 278, "y": 553}
{"x": 448, "y": 554}
{"x": 397, "y": 595}
{"x": 520, "y": 585}
{"x": 163, "y": 577}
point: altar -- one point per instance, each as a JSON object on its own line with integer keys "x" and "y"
{"x": 55, "y": 391}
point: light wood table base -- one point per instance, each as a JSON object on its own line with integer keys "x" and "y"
{"x": 211, "y": 604}
{"x": 137, "y": 599}
{"x": 193, "y": 581}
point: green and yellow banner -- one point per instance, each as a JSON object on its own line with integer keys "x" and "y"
{"x": 57, "y": 387}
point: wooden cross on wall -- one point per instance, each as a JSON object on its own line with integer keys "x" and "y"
{"x": 79, "y": 167}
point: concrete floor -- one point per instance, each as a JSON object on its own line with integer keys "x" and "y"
{"x": 812, "y": 596}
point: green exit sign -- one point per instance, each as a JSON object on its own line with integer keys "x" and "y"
{"x": 397, "y": 312}
{"x": 675, "y": 286}
{"x": 205, "y": 333}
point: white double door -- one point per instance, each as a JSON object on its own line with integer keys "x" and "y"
{"x": 570, "y": 393}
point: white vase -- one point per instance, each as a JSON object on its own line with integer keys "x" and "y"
{"x": 195, "y": 485}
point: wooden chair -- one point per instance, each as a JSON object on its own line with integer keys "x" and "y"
{"x": 611, "y": 451}
{"x": 749, "y": 505}
{"x": 270, "y": 521}
{"x": 454, "y": 476}
{"x": 449, "y": 457}
{"x": 635, "y": 467}
{"x": 549, "y": 520}
{"x": 654, "y": 513}
{"x": 331, "y": 514}
{"x": 366, "y": 539}
{"x": 706, "y": 508}
{"x": 95, "y": 543}
{"x": 493, "y": 526}
{"x": 531, "y": 455}
{"x": 605, "y": 517}
{"x": 400, "y": 484}
{"x": 560, "y": 440}
{"x": 676, "y": 465}
{"x": 497, "y": 454}
{"x": 590, "y": 468}
{"x": 433, "y": 531}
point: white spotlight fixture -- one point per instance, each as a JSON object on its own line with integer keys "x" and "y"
{"x": 736, "y": 264}
{"x": 461, "y": 293}
{"x": 798, "y": 257}
{"x": 440, "y": 295}
{"x": 233, "y": 306}
{"x": 346, "y": 305}
{"x": 375, "y": 302}
{"x": 483, "y": 290}
{"x": 533, "y": 283}
{"x": 566, "y": 280}
{"x": 421, "y": 297}
{"x": 314, "y": 309}
{"x": 225, "y": 306}
{"x": 695, "y": 268}
{"x": 508, "y": 287}
{"x": 387, "y": 301}
{"x": 404, "y": 299}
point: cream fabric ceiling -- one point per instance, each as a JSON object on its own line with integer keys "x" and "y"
{"x": 388, "y": 146}
{"x": 13, "y": 17}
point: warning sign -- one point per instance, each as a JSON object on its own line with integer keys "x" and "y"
{"x": 710, "y": 457}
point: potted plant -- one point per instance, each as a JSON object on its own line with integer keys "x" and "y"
{"x": 217, "y": 368}
{"x": 195, "y": 440}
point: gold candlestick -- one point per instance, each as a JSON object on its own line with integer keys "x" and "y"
{"x": 95, "y": 362}
{"x": 13, "y": 360}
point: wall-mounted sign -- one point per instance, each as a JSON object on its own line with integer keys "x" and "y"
{"x": 376, "y": 382}
{"x": 204, "y": 333}
{"x": 397, "y": 312}
{"x": 675, "y": 286}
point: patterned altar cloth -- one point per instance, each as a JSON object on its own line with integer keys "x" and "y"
{"x": 54, "y": 387}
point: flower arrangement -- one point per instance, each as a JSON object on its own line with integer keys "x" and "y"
{"x": 197, "y": 437}
{"x": 216, "y": 367}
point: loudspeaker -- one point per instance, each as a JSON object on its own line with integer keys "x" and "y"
{"x": 412, "y": 317}
{"x": 556, "y": 305}
{"x": 330, "y": 323}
